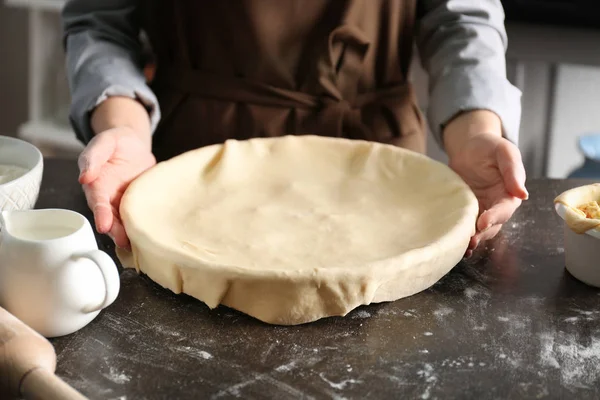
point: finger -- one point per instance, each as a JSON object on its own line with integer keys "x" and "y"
{"x": 99, "y": 203}
{"x": 488, "y": 233}
{"x": 479, "y": 237}
{"x": 473, "y": 243}
{"x": 498, "y": 214}
{"x": 511, "y": 167}
{"x": 94, "y": 156}
{"x": 118, "y": 234}
{"x": 103, "y": 217}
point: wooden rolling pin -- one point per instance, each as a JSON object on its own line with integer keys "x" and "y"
{"x": 27, "y": 364}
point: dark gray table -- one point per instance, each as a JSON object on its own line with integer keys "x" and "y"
{"x": 509, "y": 323}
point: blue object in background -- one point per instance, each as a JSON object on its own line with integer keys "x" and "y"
{"x": 589, "y": 145}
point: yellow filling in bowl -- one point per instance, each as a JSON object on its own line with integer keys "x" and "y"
{"x": 590, "y": 210}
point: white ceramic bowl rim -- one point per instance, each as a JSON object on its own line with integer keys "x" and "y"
{"x": 561, "y": 210}
{"x": 31, "y": 147}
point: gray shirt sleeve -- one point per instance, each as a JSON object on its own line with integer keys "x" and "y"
{"x": 462, "y": 45}
{"x": 104, "y": 58}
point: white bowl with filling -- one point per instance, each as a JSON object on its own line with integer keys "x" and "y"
{"x": 579, "y": 208}
{"x": 21, "y": 168}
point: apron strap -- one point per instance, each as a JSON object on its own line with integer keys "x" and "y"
{"x": 339, "y": 117}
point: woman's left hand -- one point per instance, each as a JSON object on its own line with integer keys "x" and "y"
{"x": 492, "y": 166}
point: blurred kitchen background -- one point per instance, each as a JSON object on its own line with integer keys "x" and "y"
{"x": 554, "y": 58}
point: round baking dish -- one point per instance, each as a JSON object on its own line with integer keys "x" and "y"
{"x": 582, "y": 250}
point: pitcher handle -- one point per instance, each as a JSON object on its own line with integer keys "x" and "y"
{"x": 112, "y": 283}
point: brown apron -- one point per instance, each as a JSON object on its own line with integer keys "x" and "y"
{"x": 239, "y": 69}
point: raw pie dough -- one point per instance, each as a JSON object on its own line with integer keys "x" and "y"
{"x": 580, "y": 213}
{"x": 297, "y": 228}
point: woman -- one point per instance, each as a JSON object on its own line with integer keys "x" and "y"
{"x": 248, "y": 68}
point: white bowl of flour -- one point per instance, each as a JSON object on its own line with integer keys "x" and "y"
{"x": 21, "y": 168}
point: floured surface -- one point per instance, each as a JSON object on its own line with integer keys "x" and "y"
{"x": 520, "y": 328}
{"x": 303, "y": 211}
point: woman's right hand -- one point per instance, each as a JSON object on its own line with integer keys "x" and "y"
{"x": 108, "y": 164}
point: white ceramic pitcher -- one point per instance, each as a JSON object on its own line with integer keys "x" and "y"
{"x": 52, "y": 275}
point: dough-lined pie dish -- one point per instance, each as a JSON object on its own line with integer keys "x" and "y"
{"x": 293, "y": 229}
{"x": 579, "y": 209}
